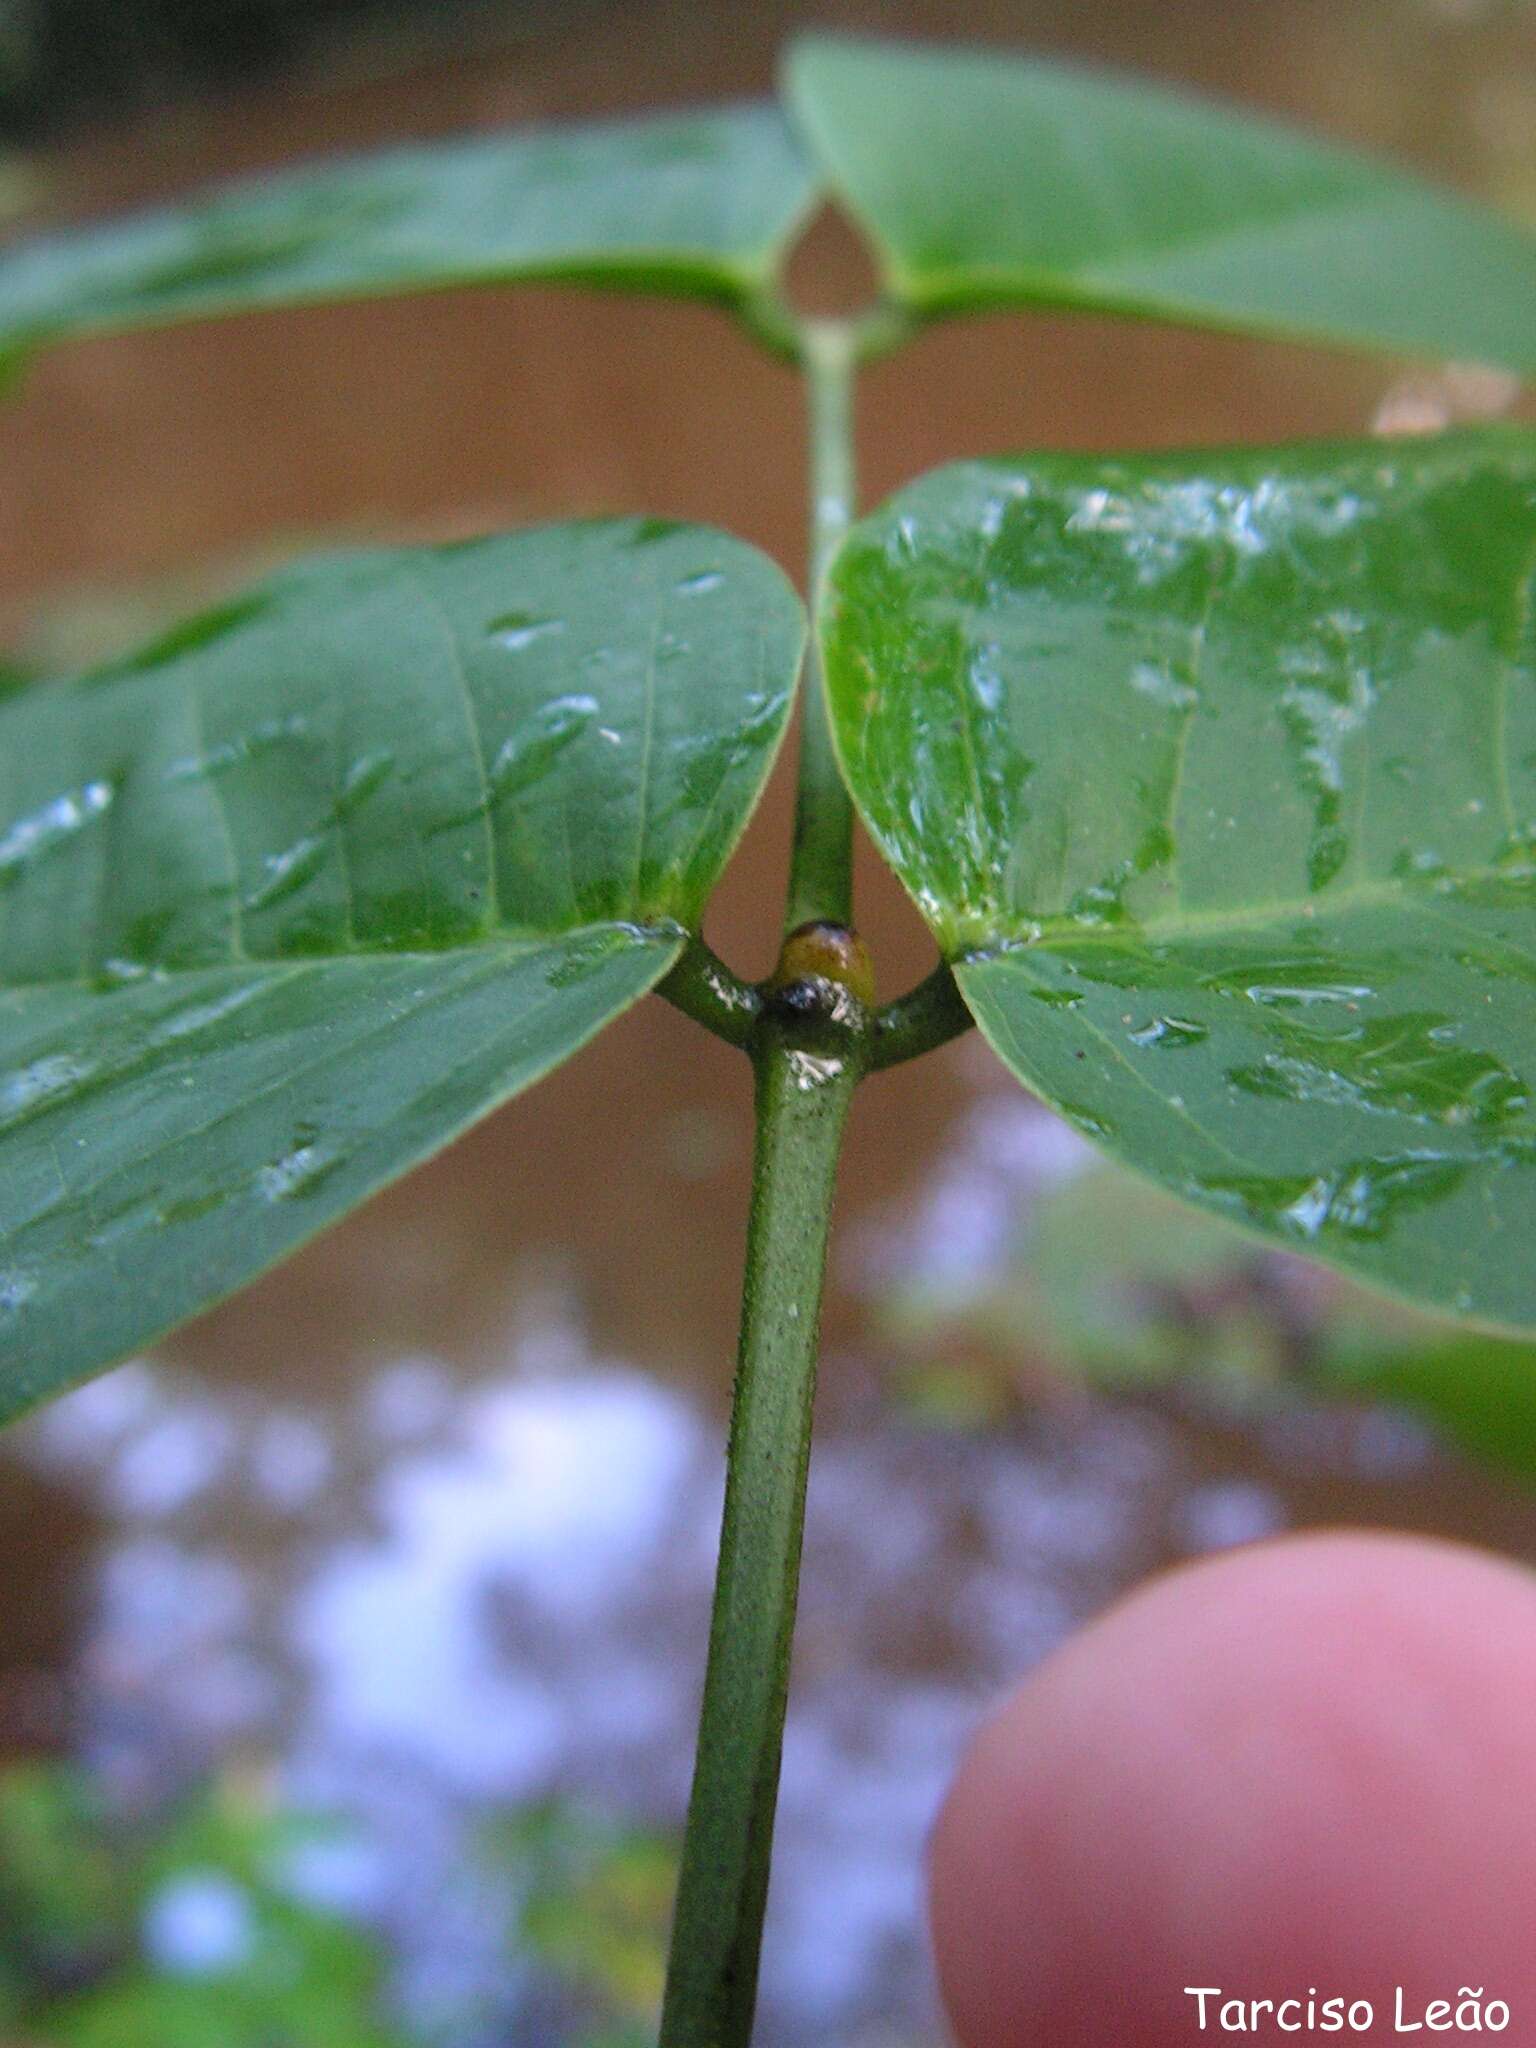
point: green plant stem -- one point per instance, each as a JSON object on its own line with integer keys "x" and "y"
{"x": 705, "y": 989}
{"x": 802, "y": 1099}
{"x": 809, "y": 1050}
{"x": 918, "y": 1022}
{"x": 821, "y": 859}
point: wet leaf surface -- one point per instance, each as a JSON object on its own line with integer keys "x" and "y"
{"x": 985, "y": 180}
{"x": 294, "y": 894}
{"x": 1216, "y": 778}
{"x": 698, "y": 203}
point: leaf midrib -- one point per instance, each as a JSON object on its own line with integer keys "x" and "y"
{"x": 1115, "y": 270}
{"x": 511, "y": 939}
{"x": 1036, "y": 934}
{"x": 227, "y": 1112}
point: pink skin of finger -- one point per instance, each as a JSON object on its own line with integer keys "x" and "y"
{"x": 1303, "y": 1769}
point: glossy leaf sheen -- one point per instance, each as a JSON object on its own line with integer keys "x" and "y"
{"x": 697, "y": 202}
{"x": 985, "y": 180}
{"x": 1216, "y": 776}
{"x": 292, "y": 896}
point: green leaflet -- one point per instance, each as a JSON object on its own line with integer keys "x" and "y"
{"x": 1215, "y": 775}
{"x": 982, "y": 179}
{"x": 292, "y": 896}
{"x": 699, "y": 203}
{"x": 988, "y": 180}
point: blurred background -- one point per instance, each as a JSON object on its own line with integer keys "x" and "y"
{"x": 350, "y": 1648}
